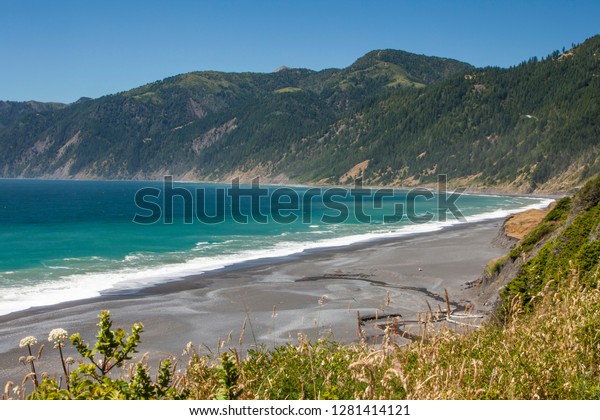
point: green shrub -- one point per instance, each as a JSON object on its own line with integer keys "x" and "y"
{"x": 92, "y": 380}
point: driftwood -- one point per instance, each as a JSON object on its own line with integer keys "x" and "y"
{"x": 401, "y": 327}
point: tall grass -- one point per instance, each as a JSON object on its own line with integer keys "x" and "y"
{"x": 550, "y": 353}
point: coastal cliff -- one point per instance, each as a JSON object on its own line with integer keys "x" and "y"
{"x": 545, "y": 246}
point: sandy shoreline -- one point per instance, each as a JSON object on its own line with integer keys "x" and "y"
{"x": 280, "y": 297}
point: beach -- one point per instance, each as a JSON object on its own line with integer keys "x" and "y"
{"x": 315, "y": 293}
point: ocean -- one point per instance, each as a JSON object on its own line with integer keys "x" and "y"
{"x": 68, "y": 240}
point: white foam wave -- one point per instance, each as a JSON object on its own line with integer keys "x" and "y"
{"x": 129, "y": 258}
{"x": 89, "y": 285}
{"x": 499, "y": 214}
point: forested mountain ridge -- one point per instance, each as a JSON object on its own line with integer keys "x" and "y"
{"x": 172, "y": 126}
{"x": 533, "y": 127}
{"x": 11, "y": 111}
{"x": 391, "y": 117}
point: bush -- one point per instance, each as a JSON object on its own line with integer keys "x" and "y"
{"x": 92, "y": 379}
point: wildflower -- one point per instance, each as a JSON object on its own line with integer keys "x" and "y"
{"x": 28, "y": 341}
{"x": 22, "y": 359}
{"x": 69, "y": 360}
{"x": 58, "y": 337}
{"x": 30, "y": 359}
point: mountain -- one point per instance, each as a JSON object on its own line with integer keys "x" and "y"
{"x": 176, "y": 125}
{"x": 11, "y": 111}
{"x": 533, "y": 127}
{"x": 391, "y": 117}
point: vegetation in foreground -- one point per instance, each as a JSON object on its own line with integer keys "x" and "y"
{"x": 551, "y": 353}
{"x": 546, "y": 346}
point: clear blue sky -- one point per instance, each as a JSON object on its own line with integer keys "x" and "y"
{"x": 60, "y": 50}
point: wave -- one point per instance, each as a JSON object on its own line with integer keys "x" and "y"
{"x": 88, "y": 285}
{"x": 499, "y": 214}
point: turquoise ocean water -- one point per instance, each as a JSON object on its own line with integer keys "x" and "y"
{"x": 67, "y": 240}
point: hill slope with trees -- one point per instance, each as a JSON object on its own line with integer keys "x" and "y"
{"x": 391, "y": 118}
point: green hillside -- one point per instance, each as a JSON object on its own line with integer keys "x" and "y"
{"x": 11, "y": 111}
{"x": 402, "y": 118}
{"x": 523, "y": 127}
{"x": 163, "y": 127}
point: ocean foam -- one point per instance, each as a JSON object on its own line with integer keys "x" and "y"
{"x": 89, "y": 285}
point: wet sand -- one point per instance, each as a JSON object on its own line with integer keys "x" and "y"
{"x": 279, "y": 297}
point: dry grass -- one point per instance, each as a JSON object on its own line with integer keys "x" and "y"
{"x": 550, "y": 353}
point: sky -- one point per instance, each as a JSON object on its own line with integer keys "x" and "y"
{"x": 61, "y": 50}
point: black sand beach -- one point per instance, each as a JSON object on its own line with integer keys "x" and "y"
{"x": 280, "y": 298}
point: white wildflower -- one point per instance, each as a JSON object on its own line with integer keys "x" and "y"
{"x": 22, "y": 359}
{"x": 69, "y": 360}
{"x": 28, "y": 341}
{"x": 30, "y": 359}
{"x": 58, "y": 337}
